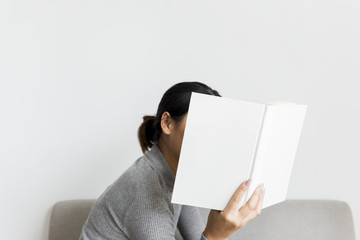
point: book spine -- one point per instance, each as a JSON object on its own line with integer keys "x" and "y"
{"x": 256, "y": 150}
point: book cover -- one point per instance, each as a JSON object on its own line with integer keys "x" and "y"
{"x": 226, "y": 141}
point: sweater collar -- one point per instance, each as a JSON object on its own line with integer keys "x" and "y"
{"x": 159, "y": 163}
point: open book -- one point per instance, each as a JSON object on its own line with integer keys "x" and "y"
{"x": 227, "y": 141}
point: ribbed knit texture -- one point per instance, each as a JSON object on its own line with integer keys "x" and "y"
{"x": 137, "y": 206}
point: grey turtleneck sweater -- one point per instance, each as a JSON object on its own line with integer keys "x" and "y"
{"x": 137, "y": 206}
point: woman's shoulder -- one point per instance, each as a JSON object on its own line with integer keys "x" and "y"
{"x": 140, "y": 178}
{"x": 138, "y": 183}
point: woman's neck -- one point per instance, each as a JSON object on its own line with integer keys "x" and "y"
{"x": 169, "y": 156}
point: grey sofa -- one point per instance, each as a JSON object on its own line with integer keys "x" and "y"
{"x": 289, "y": 220}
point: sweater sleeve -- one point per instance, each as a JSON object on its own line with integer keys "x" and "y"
{"x": 157, "y": 222}
{"x": 152, "y": 223}
{"x": 190, "y": 223}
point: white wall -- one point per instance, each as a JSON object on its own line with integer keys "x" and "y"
{"x": 77, "y": 76}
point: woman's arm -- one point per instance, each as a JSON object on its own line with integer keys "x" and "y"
{"x": 190, "y": 224}
{"x": 221, "y": 224}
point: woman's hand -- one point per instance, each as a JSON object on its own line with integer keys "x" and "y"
{"x": 221, "y": 224}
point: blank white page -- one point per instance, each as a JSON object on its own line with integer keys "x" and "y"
{"x": 217, "y": 150}
{"x": 276, "y": 150}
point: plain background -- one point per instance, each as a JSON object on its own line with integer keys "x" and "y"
{"x": 77, "y": 76}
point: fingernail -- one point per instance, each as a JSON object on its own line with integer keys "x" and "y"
{"x": 261, "y": 186}
{"x": 247, "y": 183}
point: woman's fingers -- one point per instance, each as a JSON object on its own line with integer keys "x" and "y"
{"x": 254, "y": 205}
{"x": 260, "y": 202}
{"x": 222, "y": 224}
{"x": 234, "y": 202}
{"x": 253, "y": 200}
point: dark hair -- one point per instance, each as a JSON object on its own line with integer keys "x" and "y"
{"x": 176, "y": 101}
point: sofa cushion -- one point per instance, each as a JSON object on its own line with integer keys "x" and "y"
{"x": 292, "y": 219}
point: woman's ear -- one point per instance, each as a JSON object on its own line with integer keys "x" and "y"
{"x": 166, "y": 123}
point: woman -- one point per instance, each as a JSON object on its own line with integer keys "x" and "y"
{"x": 137, "y": 205}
